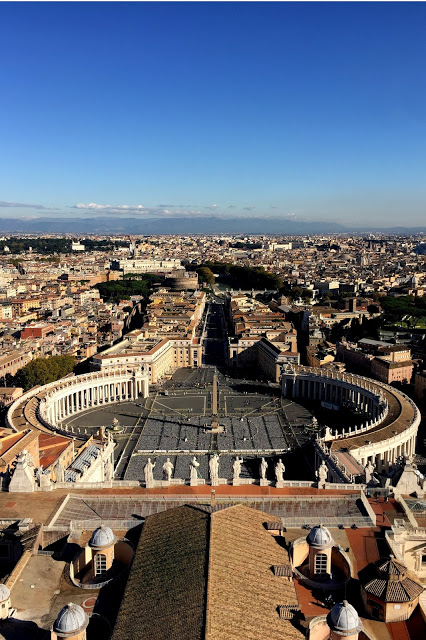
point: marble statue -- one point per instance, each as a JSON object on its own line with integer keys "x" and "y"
{"x": 59, "y": 470}
{"x": 369, "y": 470}
{"x": 214, "y": 469}
{"x": 237, "y": 467}
{"x": 279, "y": 471}
{"x": 193, "y": 470}
{"x": 168, "y": 469}
{"x": 149, "y": 474}
{"x": 327, "y": 433}
{"x": 322, "y": 473}
{"x": 109, "y": 471}
{"x": 263, "y": 469}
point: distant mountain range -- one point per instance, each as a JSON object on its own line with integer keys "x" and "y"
{"x": 185, "y": 226}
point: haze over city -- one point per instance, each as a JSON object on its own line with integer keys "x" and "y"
{"x": 212, "y": 321}
{"x": 286, "y": 111}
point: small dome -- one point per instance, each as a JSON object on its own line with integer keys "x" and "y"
{"x": 102, "y": 537}
{"x": 320, "y": 537}
{"x": 70, "y": 620}
{"x": 343, "y": 619}
{"x": 4, "y": 593}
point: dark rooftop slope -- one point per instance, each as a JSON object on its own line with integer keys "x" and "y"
{"x": 165, "y": 594}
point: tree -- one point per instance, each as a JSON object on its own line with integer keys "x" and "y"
{"x": 43, "y": 370}
{"x": 206, "y": 275}
{"x": 373, "y": 308}
{"x": 296, "y": 293}
{"x": 117, "y": 290}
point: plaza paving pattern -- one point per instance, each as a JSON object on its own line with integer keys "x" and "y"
{"x": 176, "y": 417}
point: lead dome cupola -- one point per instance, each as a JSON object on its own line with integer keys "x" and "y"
{"x": 343, "y": 619}
{"x": 101, "y": 537}
{"x": 319, "y": 537}
{"x": 71, "y": 619}
{"x": 4, "y": 593}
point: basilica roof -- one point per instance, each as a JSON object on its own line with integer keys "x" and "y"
{"x": 207, "y": 573}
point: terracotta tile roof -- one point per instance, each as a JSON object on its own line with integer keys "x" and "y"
{"x": 243, "y": 594}
{"x": 390, "y": 581}
{"x": 51, "y": 447}
{"x": 202, "y": 574}
{"x": 8, "y": 441}
{"x": 19, "y": 445}
{"x": 164, "y": 597}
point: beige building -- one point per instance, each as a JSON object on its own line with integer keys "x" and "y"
{"x": 389, "y": 371}
{"x": 12, "y": 362}
{"x": 170, "y": 337}
{"x": 9, "y": 395}
{"x": 420, "y": 385}
{"x": 390, "y": 592}
{"x": 261, "y": 337}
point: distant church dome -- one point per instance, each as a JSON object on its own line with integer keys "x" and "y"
{"x": 343, "y": 619}
{"x": 4, "y": 593}
{"x": 102, "y": 537}
{"x": 319, "y": 537}
{"x": 71, "y": 619}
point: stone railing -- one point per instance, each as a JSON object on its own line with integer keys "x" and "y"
{"x": 54, "y": 399}
{"x": 332, "y": 462}
{"x": 398, "y": 428}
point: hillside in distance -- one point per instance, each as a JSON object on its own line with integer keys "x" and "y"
{"x": 160, "y": 226}
{"x": 183, "y": 226}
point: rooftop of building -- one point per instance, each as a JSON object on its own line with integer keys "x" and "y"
{"x": 390, "y": 581}
{"x": 200, "y": 574}
{"x": 51, "y": 447}
{"x": 243, "y": 593}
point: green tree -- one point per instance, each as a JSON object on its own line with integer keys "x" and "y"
{"x": 117, "y": 290}
{"x": 373, "y": 308}
{"x": 206, "y": 275}
{"x": 43, "y": 370}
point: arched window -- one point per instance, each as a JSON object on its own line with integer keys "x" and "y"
{"x": 321, "y": 564}
{"x": 100, "y": 564}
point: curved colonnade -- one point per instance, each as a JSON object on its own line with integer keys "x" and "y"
{"x": 389, "y": 430}
{"x": 45, "y": 407}
{"x": 392, "y": 418}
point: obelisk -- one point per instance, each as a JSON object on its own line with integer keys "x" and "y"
{"x": 214, "y": 394}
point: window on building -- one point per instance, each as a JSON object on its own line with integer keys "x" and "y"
{"x": 321, "y": 564}
{"x": 100, "y": 564}
{"x": 376, "y": 610}
{"x": 424, "y": 557}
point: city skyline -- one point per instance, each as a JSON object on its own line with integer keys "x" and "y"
{"x": 293, "y": 111}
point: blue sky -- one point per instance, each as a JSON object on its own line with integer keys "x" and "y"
{"x": 306, "y": 110}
